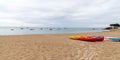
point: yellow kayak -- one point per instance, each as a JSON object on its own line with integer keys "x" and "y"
{"x": 87, "y": 38}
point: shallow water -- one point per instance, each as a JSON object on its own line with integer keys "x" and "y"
{"x": 44, "y": 30}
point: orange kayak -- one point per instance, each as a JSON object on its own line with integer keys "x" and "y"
{"x": 87, "y": 38}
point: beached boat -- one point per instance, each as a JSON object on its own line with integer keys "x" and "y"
{"x": 114, "y": 38}
{"x": 87, "y": 38}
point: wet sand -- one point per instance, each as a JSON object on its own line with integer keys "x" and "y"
{"x": 58, "y": 47}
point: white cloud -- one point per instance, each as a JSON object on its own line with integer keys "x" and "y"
{"x": 15, "y": 23}
{"x": 58, "y": 12}
{"x": 12, "y": 22}
{"x": 7, "y": 15}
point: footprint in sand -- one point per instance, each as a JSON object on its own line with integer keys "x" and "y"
{"x": 87, "y": 53}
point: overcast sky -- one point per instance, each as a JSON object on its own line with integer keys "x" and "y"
{"x": 59, "y": 13}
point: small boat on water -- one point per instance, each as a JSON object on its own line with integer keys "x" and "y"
{"x": 114, "y": 38}
{"x": 88, "y": 38}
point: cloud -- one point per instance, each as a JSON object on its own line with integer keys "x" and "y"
{"x": 59, "y": 13}
{"x": 12, "y": 22}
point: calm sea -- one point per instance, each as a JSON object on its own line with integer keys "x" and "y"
{"x": 44, "y": 30}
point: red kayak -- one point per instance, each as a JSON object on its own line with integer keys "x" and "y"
{"x": 88, "y": 38}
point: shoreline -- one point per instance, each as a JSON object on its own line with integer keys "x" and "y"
{"x": 79, "y": 33}
{"x": 55, "y": 33}
{"x": 25, "y": 31}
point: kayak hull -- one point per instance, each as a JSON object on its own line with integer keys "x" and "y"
{"x": 114, "y": 39}
{"x": 88, "y": 38}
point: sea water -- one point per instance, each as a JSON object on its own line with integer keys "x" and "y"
{"x": 44, "y": 30}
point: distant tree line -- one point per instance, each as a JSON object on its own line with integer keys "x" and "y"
{"x": 113, "y": 26}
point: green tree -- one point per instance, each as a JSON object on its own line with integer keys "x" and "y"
{"x": 115, "y": 26}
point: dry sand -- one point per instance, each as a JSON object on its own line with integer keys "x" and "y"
{"x": 58, "y": 47}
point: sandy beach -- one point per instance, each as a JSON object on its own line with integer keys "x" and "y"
{"x": 59, "y": 47}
